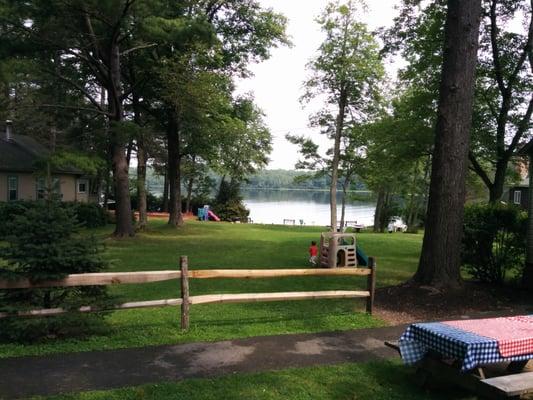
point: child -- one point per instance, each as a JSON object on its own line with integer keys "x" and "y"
{"x": 313, "y": 253}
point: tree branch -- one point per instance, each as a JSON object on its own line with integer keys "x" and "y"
{"x": 495, "y": 49}
{"x": 523, "y": 126}
{"x": 80, "y": 88}
{"x": 525, "y": 52}
{"x": 478, "y": 169}
{"x": 140, "y": 47}
{"x": 94, "y": 110}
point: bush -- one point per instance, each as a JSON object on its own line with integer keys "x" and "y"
{"x": 234, "y": 211}
{"x": 153, "y": 203}
{"x": 228, "y": 203}
{"x": 494, "y": 241}
{"x": 90, "y": 215}
{"x": 43, "y": 244}
{"x": 8, "y": 211}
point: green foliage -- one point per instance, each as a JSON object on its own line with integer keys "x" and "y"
{"x": 153, "y": 203}
{"x": 8, "y": 211}
{"x": 503, "y": 80}
{"x": 89, "y": 215}
{"x": 494, "y": 241}
{"x": 44, "y": 243}
{"x": 285, "y": 179}
{"x": 228, "y": 203}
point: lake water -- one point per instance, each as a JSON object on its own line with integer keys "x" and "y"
{"x": 273, "y": 206}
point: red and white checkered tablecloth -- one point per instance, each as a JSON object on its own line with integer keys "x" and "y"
{"x": 513, "y": 334}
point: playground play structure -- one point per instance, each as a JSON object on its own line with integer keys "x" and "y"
{"x": 205, "y": 214}
{"x": 339, "y": 250}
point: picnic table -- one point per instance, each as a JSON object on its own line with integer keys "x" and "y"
{"x": 461, "y": 352}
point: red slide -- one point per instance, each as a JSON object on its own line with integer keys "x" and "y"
{"x": 213, "y": 216}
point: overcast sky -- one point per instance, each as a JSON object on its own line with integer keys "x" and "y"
{"x": 277, "y": 83}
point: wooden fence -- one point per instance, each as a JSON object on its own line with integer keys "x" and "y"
{"x": 184, "y": 274}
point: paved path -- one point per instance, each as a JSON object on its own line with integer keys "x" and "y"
{"x": 75, "y": 372}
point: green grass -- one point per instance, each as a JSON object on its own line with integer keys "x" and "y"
{"x": 385, "y": 380}
{"x": 211, "y": 245}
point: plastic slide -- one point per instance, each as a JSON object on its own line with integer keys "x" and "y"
{"x": 213, "y": 216}
{"x": 362, "y": 258}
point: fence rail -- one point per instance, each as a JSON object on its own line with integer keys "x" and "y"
{"x": 184, "y": 274}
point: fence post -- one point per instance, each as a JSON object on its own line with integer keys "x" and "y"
{"x": 184, "y": 267}
{"x": 371, "y": 284}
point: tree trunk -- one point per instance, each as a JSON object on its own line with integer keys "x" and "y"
{"x": 175, "y": 217}
{"x": 527, "y": 279}
{"x": 107, "y": 189}
{"x": 379, "y": 211}
{"x": 335, "y": 163}
{"x": 190, "y": 184}
{"x": 120, "y": 166}
{"x": 165, "y": 190}
{"x": 496, "y": 190}
{"x": 189, "y": 194}
{"x": 345, "y": 185}
{"x": 440, "y": 260}
{"x": 141, "y": 184}
{"x": 124, "y": 224}
{"x": 141, "y": 167}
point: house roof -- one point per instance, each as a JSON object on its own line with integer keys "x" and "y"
{"x": 22, "y": 153}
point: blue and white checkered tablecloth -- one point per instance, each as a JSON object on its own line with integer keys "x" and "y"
{"x": 450, "y": 342}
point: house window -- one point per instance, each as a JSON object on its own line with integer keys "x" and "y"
{"x": 41, "y": 188}
{"x": 82, "y": 186}
{"x": 12, "y": 188}
{"x": 517, "y": 196}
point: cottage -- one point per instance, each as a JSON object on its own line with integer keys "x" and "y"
{"x": 519, "y": 195}
{"x": 19, "y": 177}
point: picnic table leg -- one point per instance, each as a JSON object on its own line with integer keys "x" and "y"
{"x": 516, "y": 366}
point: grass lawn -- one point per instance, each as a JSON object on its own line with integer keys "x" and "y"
{"x": 222, "y": 245}
{"x": 386, "y": 380}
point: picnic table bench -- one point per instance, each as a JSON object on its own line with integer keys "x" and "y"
{"x": 455, "y": 352}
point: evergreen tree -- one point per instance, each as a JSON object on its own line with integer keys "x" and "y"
{"x": 43, "y": 244}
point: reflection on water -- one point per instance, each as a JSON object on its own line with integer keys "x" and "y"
{"x": 312, "y": 207}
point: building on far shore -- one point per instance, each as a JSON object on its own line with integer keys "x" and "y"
{"x": 19, "y": 172}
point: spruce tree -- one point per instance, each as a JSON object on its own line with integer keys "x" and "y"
{"x": 45, "y": 244}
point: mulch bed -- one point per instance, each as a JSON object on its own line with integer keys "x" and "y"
{"x": 409, "y": 303}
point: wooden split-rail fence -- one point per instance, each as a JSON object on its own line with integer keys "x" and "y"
{"x": 186, "y": 300}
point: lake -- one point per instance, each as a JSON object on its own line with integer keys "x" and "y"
{"x": 269, "y": 206}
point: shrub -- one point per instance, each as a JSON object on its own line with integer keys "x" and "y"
{"x": 228, "y": 203}
{"x": 494, "y": 241}
{"x": 10, "y": 209}
{"x": 43, "y": 244}
{"x": 90, "y": 215}
{"x": 153, "y": 203}
{"x": 233, "y": 211}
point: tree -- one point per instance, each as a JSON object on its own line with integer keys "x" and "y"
{"x": 224, "y": 38}
{"x": 503, "y": 102}
{"x": 345, "y": 74}
{"x": 398, "y": 153}
{"x": 44, "y": 244}
{"x": 504, "y": 93}
{"x": 440, "y": 260}
{"x": 351, "y": 161}
{"x": 89, "y": 39}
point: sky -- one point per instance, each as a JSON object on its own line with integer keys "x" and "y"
{"x": 277, "y": 83}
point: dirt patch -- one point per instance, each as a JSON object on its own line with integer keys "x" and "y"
{"x": 408, "y": 303}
